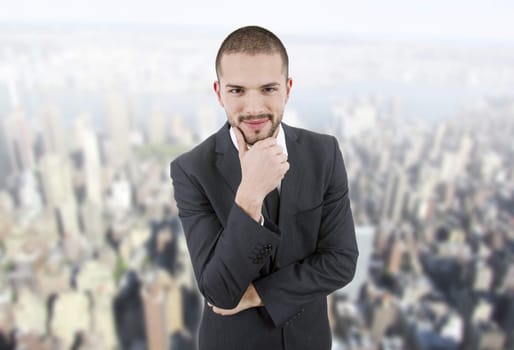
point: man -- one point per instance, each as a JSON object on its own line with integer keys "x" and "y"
{"x": 265, "y": 210}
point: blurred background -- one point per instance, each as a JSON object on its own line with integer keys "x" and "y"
{"x": 96, "y": 98}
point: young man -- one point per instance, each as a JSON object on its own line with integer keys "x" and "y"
{"x": 265, "y": 210}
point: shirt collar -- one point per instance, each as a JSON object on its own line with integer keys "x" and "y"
{"x": 281, "y": 139}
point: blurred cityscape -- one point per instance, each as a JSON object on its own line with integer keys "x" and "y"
{"x": 92, "y": 254}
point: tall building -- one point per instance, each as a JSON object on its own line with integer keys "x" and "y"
{"x": 29, "y": 197}
{"x": 395, "y": 258}
{"x": 30, "y": 313}
{"x": 119, "y": 200}
{"x": 58, "y": 192}
{"x": 19, "y": 140}
{"x": 483, "y": 277}
{"x": 384, "y": 313}
{"x": 97, "y": 279}
{"x": 70, "y": 316}
{"x": 53, "y": 278}
{"x": 492, "y": 163}
{"x": 395, "y": 195}
{"x": 437, "y": 144}
{"x": 103, "y": 321}
{"x": 156, "y": 128}
{"x": 154, "y": 301}
{"x": 118, "y": 131}
{"x": 464, "y": 153}
{"x": 93, "y": 223}
{"x": 54, "y": 131}
{"x": 7, "y": 165}
{"x": 87, "y": 144}
{"x": 175, "y": 305}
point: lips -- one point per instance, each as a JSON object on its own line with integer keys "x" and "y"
{"x": 256, "y": 123}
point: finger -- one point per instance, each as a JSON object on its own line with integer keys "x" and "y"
{"x": 241, "y": 143}
{"x": 285, "y": 167}
{"x": 282, "y": 158}
{"x": 267, "y": 142}
{"x": 276, "y": 149}
{"x": 221, "y": 312}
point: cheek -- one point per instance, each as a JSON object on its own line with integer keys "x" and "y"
{"x": 232, "y": 107}
{"x": 279, "y": 104}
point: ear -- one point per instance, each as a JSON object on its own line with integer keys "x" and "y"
{"x": 289, "y": 85}
{"x": 217, "y": 90}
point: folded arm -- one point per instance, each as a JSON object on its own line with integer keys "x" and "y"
{"x": 225, "y": 259}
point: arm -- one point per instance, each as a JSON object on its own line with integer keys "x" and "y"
{"x": 330, "y": 267}
{"x": 250, "y": 299}
{"x": 225, "y": 259}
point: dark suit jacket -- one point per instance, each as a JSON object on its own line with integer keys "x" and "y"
{"x": 293, "y": 266}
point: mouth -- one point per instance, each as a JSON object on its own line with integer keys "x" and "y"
{"x": 256, "y": 123}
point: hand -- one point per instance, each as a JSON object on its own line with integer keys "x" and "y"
{"x": 250, "y": 299}
{"x": 262, "y": 168}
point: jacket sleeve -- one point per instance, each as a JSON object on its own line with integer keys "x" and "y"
{"x": 330, "y": 267}
{"x": 225, "y": 259}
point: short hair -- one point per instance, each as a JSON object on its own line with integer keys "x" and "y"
{"x": 252, "y": 40}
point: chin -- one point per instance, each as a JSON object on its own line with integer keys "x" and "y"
{"x": 251, "y": 140}
{"x": 253, "y": 137}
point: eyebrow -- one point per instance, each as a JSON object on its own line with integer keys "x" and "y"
{"x": 234, "y": 86}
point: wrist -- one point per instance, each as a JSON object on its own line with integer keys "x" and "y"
{"x": 254, "y": 297}
{"x": 250, "y": 203}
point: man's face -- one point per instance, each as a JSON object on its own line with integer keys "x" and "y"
{"x": 253, "y": 90}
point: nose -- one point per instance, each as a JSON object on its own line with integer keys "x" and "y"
{"x": 253, "y": 104}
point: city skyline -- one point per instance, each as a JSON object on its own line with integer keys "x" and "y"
{"x": 89, "y": 121}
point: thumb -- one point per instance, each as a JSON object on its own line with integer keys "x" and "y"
{"x": 241, "y": 144}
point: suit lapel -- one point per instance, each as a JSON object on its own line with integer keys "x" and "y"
{"x": 291, "y": 185}
{"x": 227, "y": 159}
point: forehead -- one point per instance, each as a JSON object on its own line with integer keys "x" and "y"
{"x": 251, "y": 66}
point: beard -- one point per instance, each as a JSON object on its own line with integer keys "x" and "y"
{"x": 258, "y": 135}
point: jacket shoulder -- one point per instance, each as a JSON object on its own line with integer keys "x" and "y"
{"x": 317, "y": 142}
{"x": 198, "y": 157}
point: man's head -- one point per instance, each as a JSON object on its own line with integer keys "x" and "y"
{"x": 253, "y": 84}
{"x": 252, "y": 40}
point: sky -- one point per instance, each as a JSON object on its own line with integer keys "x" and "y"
{"x": 461, "y": 19}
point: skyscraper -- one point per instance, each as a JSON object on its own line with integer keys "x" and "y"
{"x": 154, "y": 301}
{"x": 118, "y": 130}
{"x": 395, "y": 195}
{"x": 6, "y": 162}
{"x": 58, "y": 192}
{"x": 19, "y": 141}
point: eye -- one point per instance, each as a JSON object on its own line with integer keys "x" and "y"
{"x": 235, "y": 91}
{"x": 270, "y": 89}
